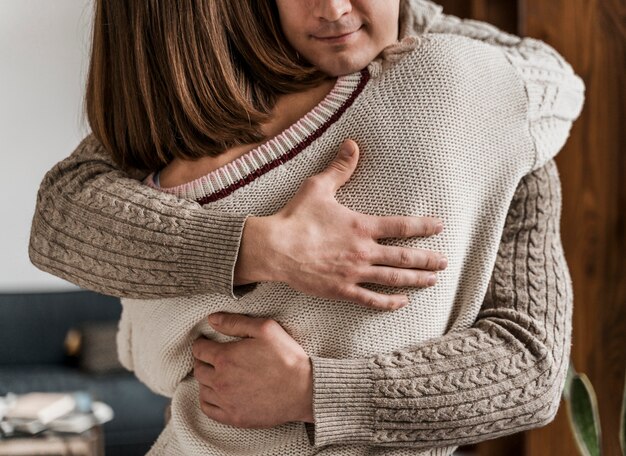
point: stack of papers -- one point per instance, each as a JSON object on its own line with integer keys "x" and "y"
{"x": 61, "y": 412}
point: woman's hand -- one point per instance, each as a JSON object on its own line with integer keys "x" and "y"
{"x": 321, "y": 248}
{"x": 261, "y": 381}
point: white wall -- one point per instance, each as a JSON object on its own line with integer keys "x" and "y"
{"x": 44, "y": 46}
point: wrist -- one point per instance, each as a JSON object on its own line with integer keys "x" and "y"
{"x": 307, "y": 414}
{"x": 252, "y": 263}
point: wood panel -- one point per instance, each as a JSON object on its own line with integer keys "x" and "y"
{"x": 591, "y": 35}
{"x": 501, "y": 13}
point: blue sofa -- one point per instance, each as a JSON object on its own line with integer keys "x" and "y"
{"x": 33, "y": 327}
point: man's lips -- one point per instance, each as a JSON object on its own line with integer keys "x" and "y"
{"x": 337, "y": 38}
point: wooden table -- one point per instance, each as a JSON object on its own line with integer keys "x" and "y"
{"x": 89, "y": 443}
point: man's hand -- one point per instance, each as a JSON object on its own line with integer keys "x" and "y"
{"x": 261, "y": 381}
{"x": 322, "y": 248}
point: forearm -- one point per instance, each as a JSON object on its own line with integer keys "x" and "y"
{"x": 99, "y": 227}
{"x": 503, "y": 375}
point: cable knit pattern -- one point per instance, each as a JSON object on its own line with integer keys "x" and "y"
{"x": 450, "y": 122}
{"x": 98, "y": 227}
{"x": 504, "y": 374}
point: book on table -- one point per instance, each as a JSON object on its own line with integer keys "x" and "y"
{"x": 41, "y": 407}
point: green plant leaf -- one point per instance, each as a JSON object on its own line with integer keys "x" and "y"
{"x": 622, "y": 422}
{"x": 582, "y": 408}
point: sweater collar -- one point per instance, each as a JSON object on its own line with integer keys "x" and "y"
{"x": 278, "y": 150}
{"x": 416, "y": 18}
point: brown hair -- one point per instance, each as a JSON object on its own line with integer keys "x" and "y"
{"x": 187, "y": 78}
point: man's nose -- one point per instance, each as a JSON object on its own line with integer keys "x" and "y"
{"x": 332, "y": 10}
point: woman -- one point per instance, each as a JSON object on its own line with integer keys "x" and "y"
{"x": 504, "y": 400}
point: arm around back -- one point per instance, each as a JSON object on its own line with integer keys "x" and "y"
{"x": 100, "y": 228}
{"x": 503, "y": 375}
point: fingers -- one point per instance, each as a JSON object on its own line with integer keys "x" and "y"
{"x": 368, "y": 298}
{"x": 208, "y": 395}
{"x": 339, "y": 171}
{"x": 203, "y": 373}
{"x": 396, "y": 277}
{"x": 407, "y": 258}
{"x": 237, "y": 325}
{"x": 403, "y": 267}
{"x": 403, "y": 226}
{"x": 205, "y": 350}
{"x": 213, "y": 412}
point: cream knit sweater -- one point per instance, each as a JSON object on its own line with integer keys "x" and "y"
{"x": 448, "y": 125}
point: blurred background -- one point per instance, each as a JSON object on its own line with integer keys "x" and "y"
{"x": 44, "y": 48}
{"x": 54, "y": 337}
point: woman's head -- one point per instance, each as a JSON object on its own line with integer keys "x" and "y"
{"x": 191, "y": 78}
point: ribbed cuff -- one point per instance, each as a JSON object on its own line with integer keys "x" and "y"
{"x": 211, "y": 243}
{"x": 343, "y": 408}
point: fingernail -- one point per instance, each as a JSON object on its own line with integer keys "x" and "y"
{"x": 439, "y": 228}
{"x": 432, "y": 279}
{"x": 216, "y": 319}
{"x": 443, "y": 263}
{"x": 347, "y": 149}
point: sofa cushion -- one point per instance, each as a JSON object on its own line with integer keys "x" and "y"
{"x": 93, "y": 346}
{"x": 33, "y": 325}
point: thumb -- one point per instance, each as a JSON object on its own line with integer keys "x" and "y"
{"x": 341, "y": 168}
{"x": 237, "y": 325}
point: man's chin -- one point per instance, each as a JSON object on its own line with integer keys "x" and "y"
{"x": 340, "y": 69}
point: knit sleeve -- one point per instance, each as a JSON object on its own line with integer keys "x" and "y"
{"x": 503, "y": 375}
{"x": 555, "y": 93}
{"x": 102, "y": 229}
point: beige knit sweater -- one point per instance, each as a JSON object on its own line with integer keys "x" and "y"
{"x": 448, "y": 126}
